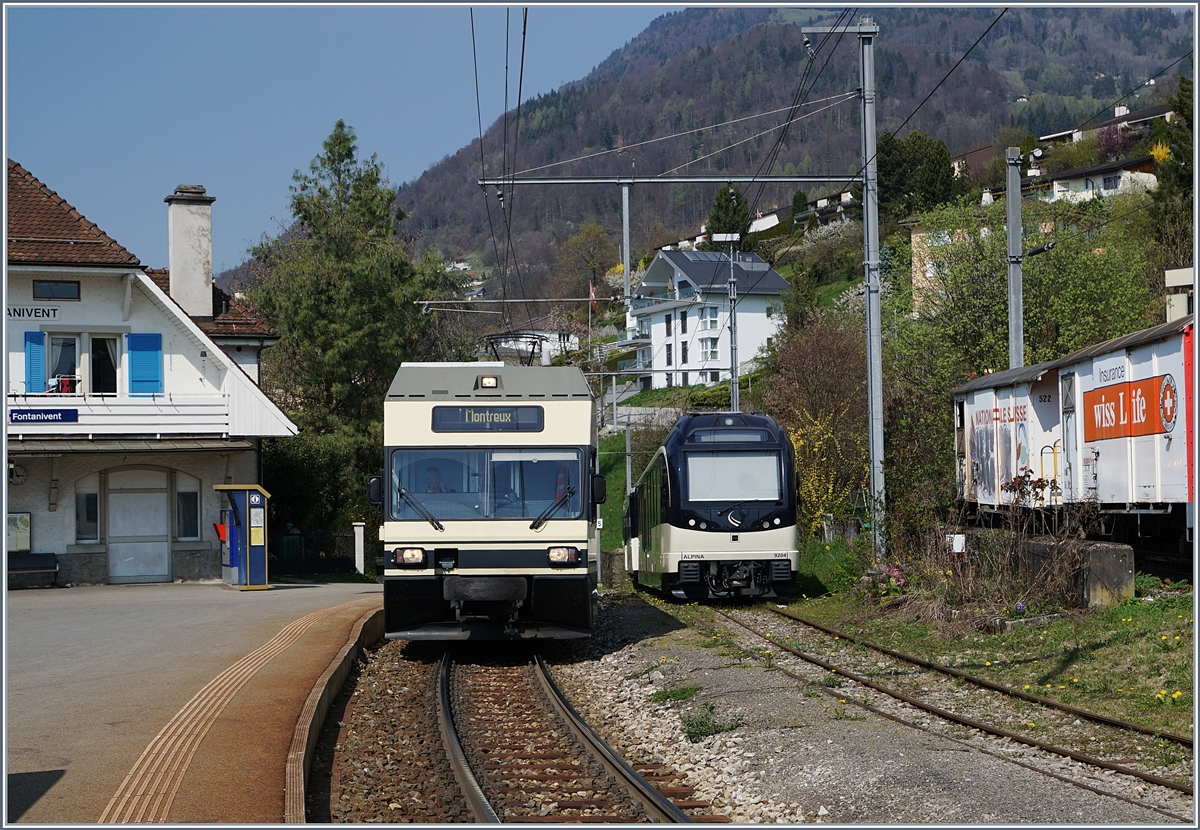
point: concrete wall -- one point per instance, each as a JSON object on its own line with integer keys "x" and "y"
{"x": 1106, "y": 577}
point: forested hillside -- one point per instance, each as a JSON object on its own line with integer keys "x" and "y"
{"x": 701, "y": 67}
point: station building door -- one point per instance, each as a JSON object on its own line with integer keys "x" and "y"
{"x": 139, "y": 526}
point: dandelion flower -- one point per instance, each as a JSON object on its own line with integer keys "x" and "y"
{"x": 1049, "y": 686}
{"x": 1026, "y": 685}
{"x": 987, "y": 662}
{"x": 1177, "y": 693}
{"x": 1164, "y": 636}
{"x": 768, "y": 635}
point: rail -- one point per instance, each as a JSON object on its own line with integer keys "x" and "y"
{"x": 478, "y": 803}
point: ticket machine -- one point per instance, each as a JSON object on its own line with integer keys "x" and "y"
{"x": 244, "y": 538}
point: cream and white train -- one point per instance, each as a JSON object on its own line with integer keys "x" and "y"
{"x": 489, "y": 502}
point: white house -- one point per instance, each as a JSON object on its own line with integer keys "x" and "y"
{"x": 122, "y": 408}
{"x": 1081, "y": 184}
{"x": 680, "y": 321}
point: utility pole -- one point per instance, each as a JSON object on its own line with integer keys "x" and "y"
{"x": 1016, "y": 311}
{"x": 867, "y": 30}
{"x": 734, "y": 403}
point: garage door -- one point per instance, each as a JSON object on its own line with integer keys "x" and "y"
{"x": 139, "y": 526}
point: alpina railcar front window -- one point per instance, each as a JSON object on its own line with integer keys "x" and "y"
{"x": 733, "y": 476}
{"x": 509, "y": 483}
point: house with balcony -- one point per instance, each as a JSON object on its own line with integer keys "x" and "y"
{"x": 1098, "y": 181}
{"x": 130, "y": 393}
{"x": 679, "y": 318}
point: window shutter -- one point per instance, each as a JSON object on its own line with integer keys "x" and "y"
{"x": 35, "y": 363}
{"x": 145, "y": 364}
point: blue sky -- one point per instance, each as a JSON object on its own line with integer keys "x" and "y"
{"x": 112, "y": 107}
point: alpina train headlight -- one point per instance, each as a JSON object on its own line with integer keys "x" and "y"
{"x": 563, "y": 556}
{"x": 408, "y": 556}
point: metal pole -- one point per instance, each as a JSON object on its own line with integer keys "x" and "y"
{"x": 866, "y": 33}
{"x": 628, "y": 461}
{"x": 1016, "y": 311}
{"x": 734, "y": 403}
{"x": 625, "y": 237}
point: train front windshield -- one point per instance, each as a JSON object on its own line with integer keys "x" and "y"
{"x": 507, "y": 483}
{"x": 733, "y": 476}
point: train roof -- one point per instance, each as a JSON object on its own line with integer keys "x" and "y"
{"x": 1029, "y": 374}
{"x": 448, "y": 381}
{"x": 693, "y": 421}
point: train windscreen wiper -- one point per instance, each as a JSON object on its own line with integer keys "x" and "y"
{"x": 549, "y": 511}
{"x": 420, "y": 508}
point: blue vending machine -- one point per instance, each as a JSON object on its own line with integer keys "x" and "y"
{"x": 244, "y": 536}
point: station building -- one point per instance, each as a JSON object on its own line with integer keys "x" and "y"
{"x": 130, "y": 393}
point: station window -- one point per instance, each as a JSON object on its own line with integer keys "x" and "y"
{"x": 87, "y": 509}
{"x": 683, "y": 322}
{"x": 187, "y": 506}
{"x": 708, "y": 348}
{"x": 668, "y": 354}
{"x": 103, "y": 380}
{"x": 683, "y": 357}
{"x": 55, "y": 290}
{"x": 708, "y": 318}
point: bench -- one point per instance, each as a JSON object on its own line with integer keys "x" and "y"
{"x": 33, "y": 563}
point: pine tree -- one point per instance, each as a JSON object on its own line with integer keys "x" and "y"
{"x": 730, "y": 214}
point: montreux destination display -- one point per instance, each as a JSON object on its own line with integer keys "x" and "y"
{"x": 487, "y": 419}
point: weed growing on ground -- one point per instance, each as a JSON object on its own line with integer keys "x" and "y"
{"x": 678, "y": 693}
{"x": 702, "y": 724}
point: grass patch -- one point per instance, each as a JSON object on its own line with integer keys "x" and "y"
{"x": 702, "y": 724}
{"x": 678, "y": 693}
{"x": 1132, "y": 661}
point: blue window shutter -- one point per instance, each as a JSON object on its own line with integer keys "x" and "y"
{"x": 35, "y": 363}
{"x": 145, "y": 364}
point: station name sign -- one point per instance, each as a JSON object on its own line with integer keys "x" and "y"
{"x": 33, "y": 312}
{"x": 488, "y": 419}
{"x": 43, "y": 416}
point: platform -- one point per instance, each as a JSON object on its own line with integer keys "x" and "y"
{"x": 174, "y": 703}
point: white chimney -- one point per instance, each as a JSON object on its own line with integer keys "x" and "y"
{"x": 987, "y": 198}
{"x": 189, "y": 232}
{"x": 1120, "y": 110}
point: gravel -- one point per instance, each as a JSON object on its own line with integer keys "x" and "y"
{"x": 798, "y": 755}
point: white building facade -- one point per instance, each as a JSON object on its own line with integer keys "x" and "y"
{"x": 680, "y": 322}
{"x": 121, "y": 411}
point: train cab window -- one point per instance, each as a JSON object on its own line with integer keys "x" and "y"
{"x": 484, "y": 483}
{"x": 733, "y": 476}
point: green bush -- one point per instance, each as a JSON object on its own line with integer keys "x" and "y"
{"x": 678, "y": 693}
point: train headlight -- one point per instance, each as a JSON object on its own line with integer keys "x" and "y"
{"x": 691, "y": 522}
{"x": 776, "y": 520}
{"x": 704, "y": 525}
{"x": 766, "y": 524}
{"x": 563, "y": 556}
{"x": 408, "y": 557}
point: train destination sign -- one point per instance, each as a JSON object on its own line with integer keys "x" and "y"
{"x": 488, "y": 419}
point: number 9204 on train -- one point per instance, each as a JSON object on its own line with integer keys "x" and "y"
{"x": 713, "y": 516}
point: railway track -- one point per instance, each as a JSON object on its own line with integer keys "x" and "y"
{"x": 928, "y": 693}
{"x": 522, "y": 754}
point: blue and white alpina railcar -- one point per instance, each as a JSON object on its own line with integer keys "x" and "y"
{"x": 489, "y": 502}
{"x": 714, "y": 513}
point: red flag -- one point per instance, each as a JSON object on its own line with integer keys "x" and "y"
{"x": 595, "y": 305}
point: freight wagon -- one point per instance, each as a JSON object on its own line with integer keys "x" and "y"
{"x": 1111, "y": 425}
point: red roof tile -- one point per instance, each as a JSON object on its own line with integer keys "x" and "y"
{"x": 231, "y": 317}
{"x": 43, "y": 229}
